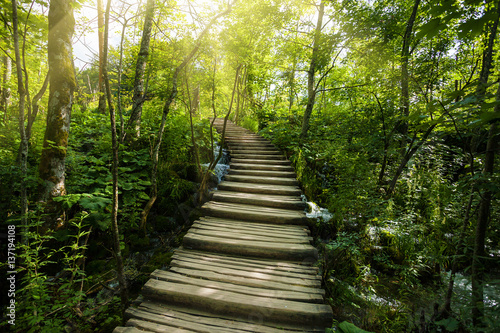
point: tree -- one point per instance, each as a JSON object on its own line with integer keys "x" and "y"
{"x": 138, "y": 97}
{"x": 114, "y": 213}
{"x": 311, "y": 89}
{"x": 100, "y": 34}
{"x": 62, "y": 85}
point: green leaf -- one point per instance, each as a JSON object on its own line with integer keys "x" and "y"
{"x": 347, "y": 327}
{"x": 449, "y": 324}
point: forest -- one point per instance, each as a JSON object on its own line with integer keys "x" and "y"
{"x": 388, "y": 111}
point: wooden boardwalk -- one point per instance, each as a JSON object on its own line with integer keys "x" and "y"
{"x": 247, "y": 265}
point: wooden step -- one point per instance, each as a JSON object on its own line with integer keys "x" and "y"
{"x": 268, "y": 227}
{"x": 263, "y": 161}
{"x": 245, "y": 148}
{"x": 268, "y": 167}
{"x": 220, "y": 323}
{"x": 263, "y": 173}
{"x": 279, "y": 294}
{"x": 254, "y": 213}
{"x": 286, "y": 266}
{"x": 255, "y": 152}
{"x": 261, "y": 180}
{"x": 258, "y": 157}
{"x": 277, "y": 201}
{"x": 259, "y": 188}
{"x": 228, "y": 302}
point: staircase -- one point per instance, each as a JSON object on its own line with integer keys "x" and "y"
{"x": 248, "y": 264}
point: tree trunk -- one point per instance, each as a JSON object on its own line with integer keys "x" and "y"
{"x": 5, "y": 96}
{"x": 100, "y": 33}
{"x": 34, "y": 105}
{"x": 62, "y": 84}
{"x": 311, "y": 89}
{"x": 134, "y": 123}
{"x": 405, "y": 57}
{"x": 406, "y": 158}
{"x": 166, "y": 111}
{"x": 114, "y": 212}
{"x": 23, "y": 156}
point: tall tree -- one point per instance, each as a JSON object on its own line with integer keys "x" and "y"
{"x": 405, "y": 58}
{"x": 114, "y": 212}
{"x": 311, "y": 72}
{"x": 62, "y": 85}
{"x": 23, "y": 156}
{"x": 138, "y": 97}
{"x": 100, "y": 34}
{"x": 486, "y": 195}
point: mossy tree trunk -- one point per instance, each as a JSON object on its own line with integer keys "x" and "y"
{"x": 62, "y": 85}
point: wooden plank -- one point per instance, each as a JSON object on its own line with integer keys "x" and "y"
{"x": 198, "y": 229}
{"x": 303, "y": 280}
{"x": 226, "y": 302}
{"x": 254, "y": 213}
{"x": 259, "y": 188}
{"x": 120, "y": 329}
{"x": 262, "y": 180}
{"x": 244, "y": 290}
{"x": 185, "y": 261}
{"x": 246, "y": 231}
{"x": 245, "y": 281}
{"x": 297, "y": 252}
{"x": 146, "y": 326}
{"x": 263, "y": 161}
{"x": 202, "y": 317}
{"x": 285, "y": 265}
{"x": 291, "y": 229}
{"x": 264, "y": 173}
{"x": 277, "y": 201}
{"x": 164, "y": 324}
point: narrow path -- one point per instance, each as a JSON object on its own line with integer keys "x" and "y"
{"x": 247, "y": 265}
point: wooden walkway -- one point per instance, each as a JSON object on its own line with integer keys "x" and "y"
{"x": 247, "y": 265}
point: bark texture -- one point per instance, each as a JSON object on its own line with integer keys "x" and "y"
{"x": 62, "y": 85}
{"x": 134, "y": 122}
{"x": 311, "y": 89}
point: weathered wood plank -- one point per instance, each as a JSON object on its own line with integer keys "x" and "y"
{"x": 197, "y": 316}
{"x": 248, "y": 230}
{"x": 184, "y": 261}
{"x": 260, "y": 274}
{"x": 199, "y": 229}
{"x": 226, "y": 302}
{"x": 244, "y": 290}
{"x": 262, "y": 180}
{"x": 297, "y": 252}
{"x": 285, "y": 228}
{"x": 259, "y": 188}
{"x": 263, "y": 173}
{"x": 251, "y": 262}
{"x": 245, "y": 281}
{"x": 254, "y": 213}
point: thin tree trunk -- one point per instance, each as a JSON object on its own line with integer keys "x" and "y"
{"x": 406, "y": 158}
{"x": 482, "y": 224}
{"x": 100, "y": 33}
{"x": 405, "y": 57}
{"x": 5, "y": 98}
{"x": 166, "y": 111}
{"x": 62, "y": 85}
{"x": 23, "y": 156}
{"x": 134, "y": 123}
{"x": 34, "y": 105}
{"x": 203, "y": 186}
{"x": 311, "y": 91}
{"x": 114, "y": 212}
{"x": 477, "y": 274}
